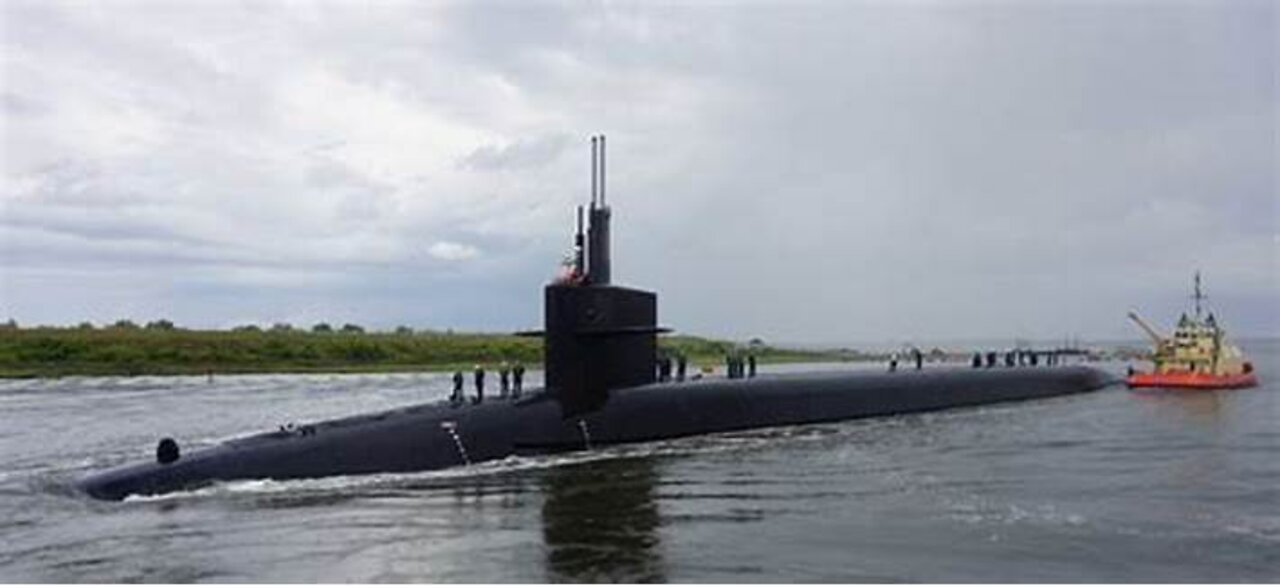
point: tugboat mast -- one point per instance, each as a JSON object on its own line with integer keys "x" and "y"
{"x": 1198, "y": 296}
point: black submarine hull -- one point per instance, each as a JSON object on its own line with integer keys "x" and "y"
{"x": 443, "y": 435}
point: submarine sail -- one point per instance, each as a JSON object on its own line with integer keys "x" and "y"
{"x": 597, "y": 336}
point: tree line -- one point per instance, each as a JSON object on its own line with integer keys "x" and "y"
{"x": 167, "y": 325}
{"x": 161, "y": 347}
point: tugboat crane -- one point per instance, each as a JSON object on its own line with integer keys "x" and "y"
{"x": 1151, "y": 332}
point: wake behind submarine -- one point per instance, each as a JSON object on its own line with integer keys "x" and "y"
{"x": 600, "y": 389}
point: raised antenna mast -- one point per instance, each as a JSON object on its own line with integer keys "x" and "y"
{"x": 598, "y": 264}
{"x": 602, "y": 204}
{"x": 595, "y": 161}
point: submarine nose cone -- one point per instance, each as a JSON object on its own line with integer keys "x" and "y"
{"x": 167, "y": 451}
{"x": 105, "y": 487}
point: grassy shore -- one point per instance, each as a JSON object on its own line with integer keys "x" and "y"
{"x": 52, "y": 352}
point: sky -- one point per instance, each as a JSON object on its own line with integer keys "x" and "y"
{"x": 820, "y": 172}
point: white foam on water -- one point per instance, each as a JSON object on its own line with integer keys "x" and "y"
{"x": 303, "y": 486}
{"x": 978, "y": 512}
{"x": 1261, "y": 527}
{"x": 510, "y": 464}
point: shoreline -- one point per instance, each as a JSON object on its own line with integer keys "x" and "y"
{"x": 63, "y": 352}
{"x": 34, "y": 353}
{"x": 465, "y": 368}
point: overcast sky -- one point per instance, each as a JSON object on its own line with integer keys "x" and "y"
{"x": 821, "y": 171}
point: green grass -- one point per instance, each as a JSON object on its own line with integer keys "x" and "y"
{"x": 52, "y": 352}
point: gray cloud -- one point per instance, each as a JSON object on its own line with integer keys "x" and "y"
{"x": 521, "y": 154}
{"x": 812, "y": 171}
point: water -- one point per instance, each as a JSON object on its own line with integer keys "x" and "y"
{"x": 1114, "y": 486}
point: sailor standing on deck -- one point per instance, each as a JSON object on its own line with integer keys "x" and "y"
{"x": 479, "y": 374}
{"x": 504, "y": 380}
{"x": 456, "y": 397}
{"x": 517, "y": 378}
{"x": 682, "y": 363}
{"x": 664, "y": 367}
{"x": 751, "y": 365}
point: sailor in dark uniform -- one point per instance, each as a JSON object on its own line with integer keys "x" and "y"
{"x": 517, "y": 380}
{"x": 682, "y": 363}
{"x": 504, "y": 381}
{"x": 456, "y": 397}
{"x": 479, "y": 383}
{"x": 664, "y": 367}
{"x": 751, "y": 365}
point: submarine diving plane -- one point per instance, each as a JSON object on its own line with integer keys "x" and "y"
{"x": 600, "y": 343}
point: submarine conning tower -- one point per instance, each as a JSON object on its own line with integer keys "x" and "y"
{"x": 597, "y": 336}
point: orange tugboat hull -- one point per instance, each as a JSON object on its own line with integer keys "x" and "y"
{"x": 1192, "y": 380}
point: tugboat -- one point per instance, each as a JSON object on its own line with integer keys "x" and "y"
{"x": 1196, "y": 357}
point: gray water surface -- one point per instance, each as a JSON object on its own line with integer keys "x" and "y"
{"x": 1112, "y": 486}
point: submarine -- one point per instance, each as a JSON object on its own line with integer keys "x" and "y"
{"x": 600, "y": 388}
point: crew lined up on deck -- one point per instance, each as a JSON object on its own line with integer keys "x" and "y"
{"x": 916, "y": 356}
{"x": 989, "y": 359}
{"x": 1017, "y": 358}
{"x": 510, "y": 383}
{"x": 511, "y": 377}
{"x": 736, "y": 366}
